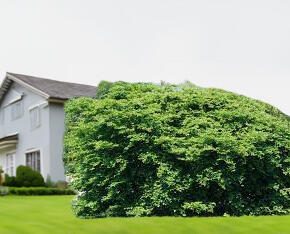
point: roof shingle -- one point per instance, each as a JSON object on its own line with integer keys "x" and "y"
{"x": 58, "y": 89}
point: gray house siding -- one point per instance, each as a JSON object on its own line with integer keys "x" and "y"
{"x": 56, "y": 133}
{"x": 32, "y": 122}
{"x": 39, "y": 138}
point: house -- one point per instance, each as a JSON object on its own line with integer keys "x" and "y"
{"x": 32, "y": 122}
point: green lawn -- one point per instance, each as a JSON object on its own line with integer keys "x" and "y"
{"x": 52, "y": 214}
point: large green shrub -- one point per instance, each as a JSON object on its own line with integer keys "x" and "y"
{"x": 26, "y": 177}
{"x": 147, "y": 150}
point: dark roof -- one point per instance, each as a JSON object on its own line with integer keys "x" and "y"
{"x": 57, "y": 89}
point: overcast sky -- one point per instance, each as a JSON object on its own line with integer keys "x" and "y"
{"x": 237, "y": 45}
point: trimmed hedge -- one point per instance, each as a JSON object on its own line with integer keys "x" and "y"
{"x": 39, "y": 191}
{"x": 27, "y": 177}
{"x": 145, "y": 150}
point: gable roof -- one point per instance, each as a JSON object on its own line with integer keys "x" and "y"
{"x": 50, "y": 89}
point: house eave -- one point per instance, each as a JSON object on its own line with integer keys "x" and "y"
{"x": 56, "y": 100}
{"x": 29, "y": 87}
{"x": 4, "y": 87}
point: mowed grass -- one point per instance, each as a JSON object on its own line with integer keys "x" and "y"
{"x": 52, "y": 214}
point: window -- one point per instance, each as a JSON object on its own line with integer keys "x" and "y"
{"x": 35, "y": 117}
{"x": 33, "y": 160}
{"x": 17, "y": 110}
{"x": 9, "y": 167}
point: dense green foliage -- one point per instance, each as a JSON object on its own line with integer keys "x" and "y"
{"x": 28, "y": 191}
{"x": 25, "y": 177}
{"x": 10, "y": 181}
{"x": 146, "y": 150}
{"x": 104, "y": 88}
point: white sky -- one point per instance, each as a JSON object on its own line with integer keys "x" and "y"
{"x": 238, "y": 45}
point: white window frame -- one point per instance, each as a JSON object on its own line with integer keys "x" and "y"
{"x": 40, "y": 158}
{"x": 7, "y": 169}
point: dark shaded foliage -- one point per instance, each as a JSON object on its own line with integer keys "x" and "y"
{"x": 10, "y": 181}
{"x": 36, "y": 191}
{"x": 26, "y": 177}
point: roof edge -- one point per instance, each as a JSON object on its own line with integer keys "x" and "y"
{"x": 31, "y": 88}
{"x": 4, "y": 87}
{"x": 56, "y": 100}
